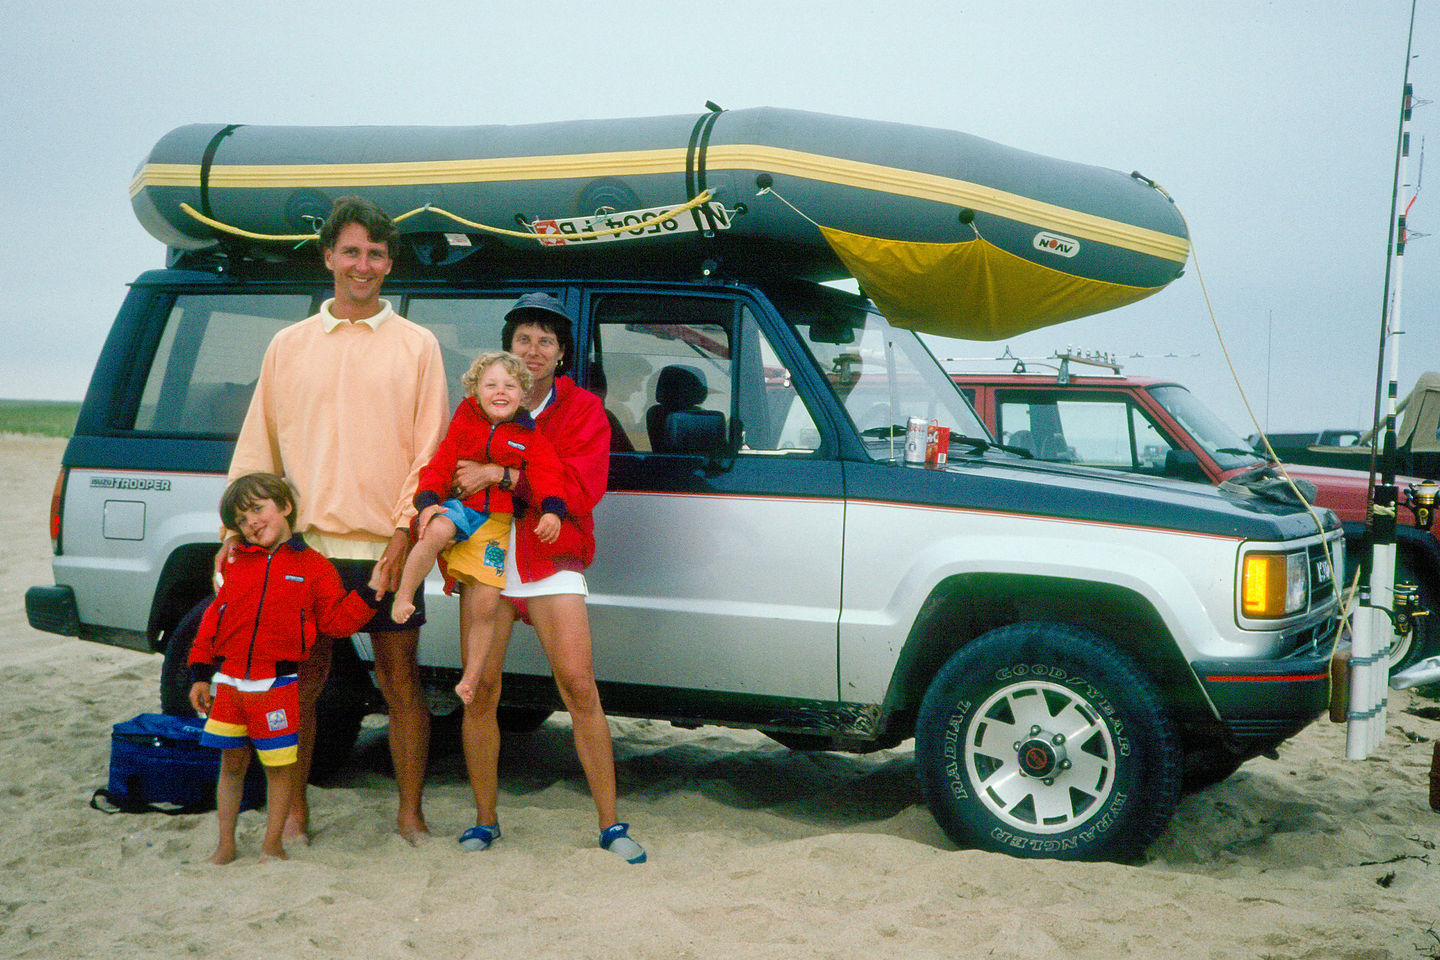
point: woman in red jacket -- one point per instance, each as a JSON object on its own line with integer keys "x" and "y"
{"x": 545, "y": 582}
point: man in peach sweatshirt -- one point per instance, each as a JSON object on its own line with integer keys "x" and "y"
{"x": 350, "y": 404}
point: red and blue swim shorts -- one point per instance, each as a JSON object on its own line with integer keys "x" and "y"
{"x": 266, "y": 718}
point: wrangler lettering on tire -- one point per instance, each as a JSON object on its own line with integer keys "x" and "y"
{"x": 1045, "y": 740}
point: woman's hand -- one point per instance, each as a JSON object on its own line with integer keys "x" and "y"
{"x": 547, "y": 529}
{"x": 471, "y": 477}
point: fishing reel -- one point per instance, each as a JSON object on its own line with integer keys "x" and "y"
{"x": 1406, "y": 608}
{"x": 1420, "y": 498}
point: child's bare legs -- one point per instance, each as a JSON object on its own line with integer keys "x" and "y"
{"x": 234, "y": 761}
{"x": 436, "y": 536}
{"x": 478, "y": 602}
{"x": 279, "y": 785}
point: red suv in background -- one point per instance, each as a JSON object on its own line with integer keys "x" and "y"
{"x": 1159, "y": 428}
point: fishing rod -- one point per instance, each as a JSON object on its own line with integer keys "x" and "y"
{"x": 1376, "y": 623}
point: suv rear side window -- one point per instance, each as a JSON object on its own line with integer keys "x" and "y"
{"x": 208, "y": 360}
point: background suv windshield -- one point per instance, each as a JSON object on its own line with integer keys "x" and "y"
{"x": 1220, "y": 441}
{"x": 881, "y": 375}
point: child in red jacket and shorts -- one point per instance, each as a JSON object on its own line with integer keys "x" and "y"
{"x": 276, "y": 595}
{"x": 489, "y": 426}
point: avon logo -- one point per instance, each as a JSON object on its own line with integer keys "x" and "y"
{"x": 1056, "y": 244}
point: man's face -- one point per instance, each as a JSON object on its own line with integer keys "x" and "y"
{"x": 360, "y": 265}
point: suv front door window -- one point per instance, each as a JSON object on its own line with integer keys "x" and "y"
{"x": 735, "y": 548}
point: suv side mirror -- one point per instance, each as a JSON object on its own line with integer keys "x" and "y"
{"x": 1184, "y": 465}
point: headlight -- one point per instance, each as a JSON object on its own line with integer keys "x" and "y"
{"x": 1273, "y": 585}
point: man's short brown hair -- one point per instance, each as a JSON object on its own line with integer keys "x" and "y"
{"x": 367, "y": 213}
{"x": 244, "y": 492}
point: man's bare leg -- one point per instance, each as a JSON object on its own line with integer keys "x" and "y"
{"x": 398, "y": 677}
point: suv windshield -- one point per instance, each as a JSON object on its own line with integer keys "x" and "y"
{"x": 882, "y": 375}
{"x": 1223, "y": 444}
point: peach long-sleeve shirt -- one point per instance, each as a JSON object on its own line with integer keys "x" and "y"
{"x": 348, "y": 412}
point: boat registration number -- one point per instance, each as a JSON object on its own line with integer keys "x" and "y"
{"x": 630, "y": 225}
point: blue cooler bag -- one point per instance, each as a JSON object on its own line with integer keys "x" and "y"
{"x": 157, "y": 764}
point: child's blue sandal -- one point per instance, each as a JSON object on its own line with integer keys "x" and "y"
{"x": 479, "y": 837}
{"x": 616, "y": 839}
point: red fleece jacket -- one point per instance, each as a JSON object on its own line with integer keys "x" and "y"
{"x": 514, "y": 443}
{"x": 266, "y": 615}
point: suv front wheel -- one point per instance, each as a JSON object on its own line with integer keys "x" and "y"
{"x": 1044, "y": 740}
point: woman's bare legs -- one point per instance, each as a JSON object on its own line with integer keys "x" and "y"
{"x": 477, "y": 631}
{"x": 564, "y": 628}
{"x": 479, "y": 730}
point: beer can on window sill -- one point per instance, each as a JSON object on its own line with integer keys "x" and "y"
{"x": 917, "y": 438}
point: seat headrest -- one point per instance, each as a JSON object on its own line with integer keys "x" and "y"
{"x": 680, "y": 386}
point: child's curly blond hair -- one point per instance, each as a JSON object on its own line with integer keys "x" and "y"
{"x": 513, "y": 365}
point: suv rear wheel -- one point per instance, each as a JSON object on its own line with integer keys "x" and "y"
{"x": 1044, "y": 740}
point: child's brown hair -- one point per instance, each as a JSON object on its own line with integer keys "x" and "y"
{"x": 244, "y": 492}
{"x": 513, "y": 365}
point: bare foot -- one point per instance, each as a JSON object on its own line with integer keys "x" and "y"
{"x": 296, "y": 832}
{"x": 465, "y": 690}
{"x": 414, "y": 833}
{"x": 277, "y": 854}
{"x": 224, "y": 853}
{"x": 400, "y": 610}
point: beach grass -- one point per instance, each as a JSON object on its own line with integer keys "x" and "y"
{"x": 42, "y": 418}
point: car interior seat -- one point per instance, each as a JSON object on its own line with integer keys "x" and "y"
{"x": 679, "y": 388}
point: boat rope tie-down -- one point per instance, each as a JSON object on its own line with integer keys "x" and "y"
{"x": 703, "y": 197}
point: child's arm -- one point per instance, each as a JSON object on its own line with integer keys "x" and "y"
{"x": 337, "y": 613}
{"x": 200, "y": 696}
{"x": 547, "y": 529}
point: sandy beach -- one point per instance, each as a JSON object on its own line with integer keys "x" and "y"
{"x": 755, "y": 851}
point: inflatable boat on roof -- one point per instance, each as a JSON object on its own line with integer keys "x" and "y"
{"x": 947, "y": 233}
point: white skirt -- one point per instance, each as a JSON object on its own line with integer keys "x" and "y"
{"x": 561, "y": 581}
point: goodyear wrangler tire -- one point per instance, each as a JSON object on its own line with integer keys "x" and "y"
{"x": 1047, "y": 741}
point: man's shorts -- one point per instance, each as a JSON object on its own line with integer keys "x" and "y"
{"x": 481, "y": 558}
{"x": 265, "y": 718}
{"x": 355, "y": 575}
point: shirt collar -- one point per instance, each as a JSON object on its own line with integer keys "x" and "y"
{"x": 330, "y": 321}
{"x": 296, "y": 542}
{"x": 549, "y": 399}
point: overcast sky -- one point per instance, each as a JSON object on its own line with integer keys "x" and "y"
{"x": 1272, "y": 125}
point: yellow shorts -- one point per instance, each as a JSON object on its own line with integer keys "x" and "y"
{"x": 481, "y": 558}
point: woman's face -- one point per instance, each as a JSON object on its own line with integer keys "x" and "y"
{"x": 540, "y": 349}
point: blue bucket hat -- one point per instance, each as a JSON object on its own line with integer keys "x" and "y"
{"x": 543, "y": 309}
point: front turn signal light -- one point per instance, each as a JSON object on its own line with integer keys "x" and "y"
{"x": 1273, "y": 585}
